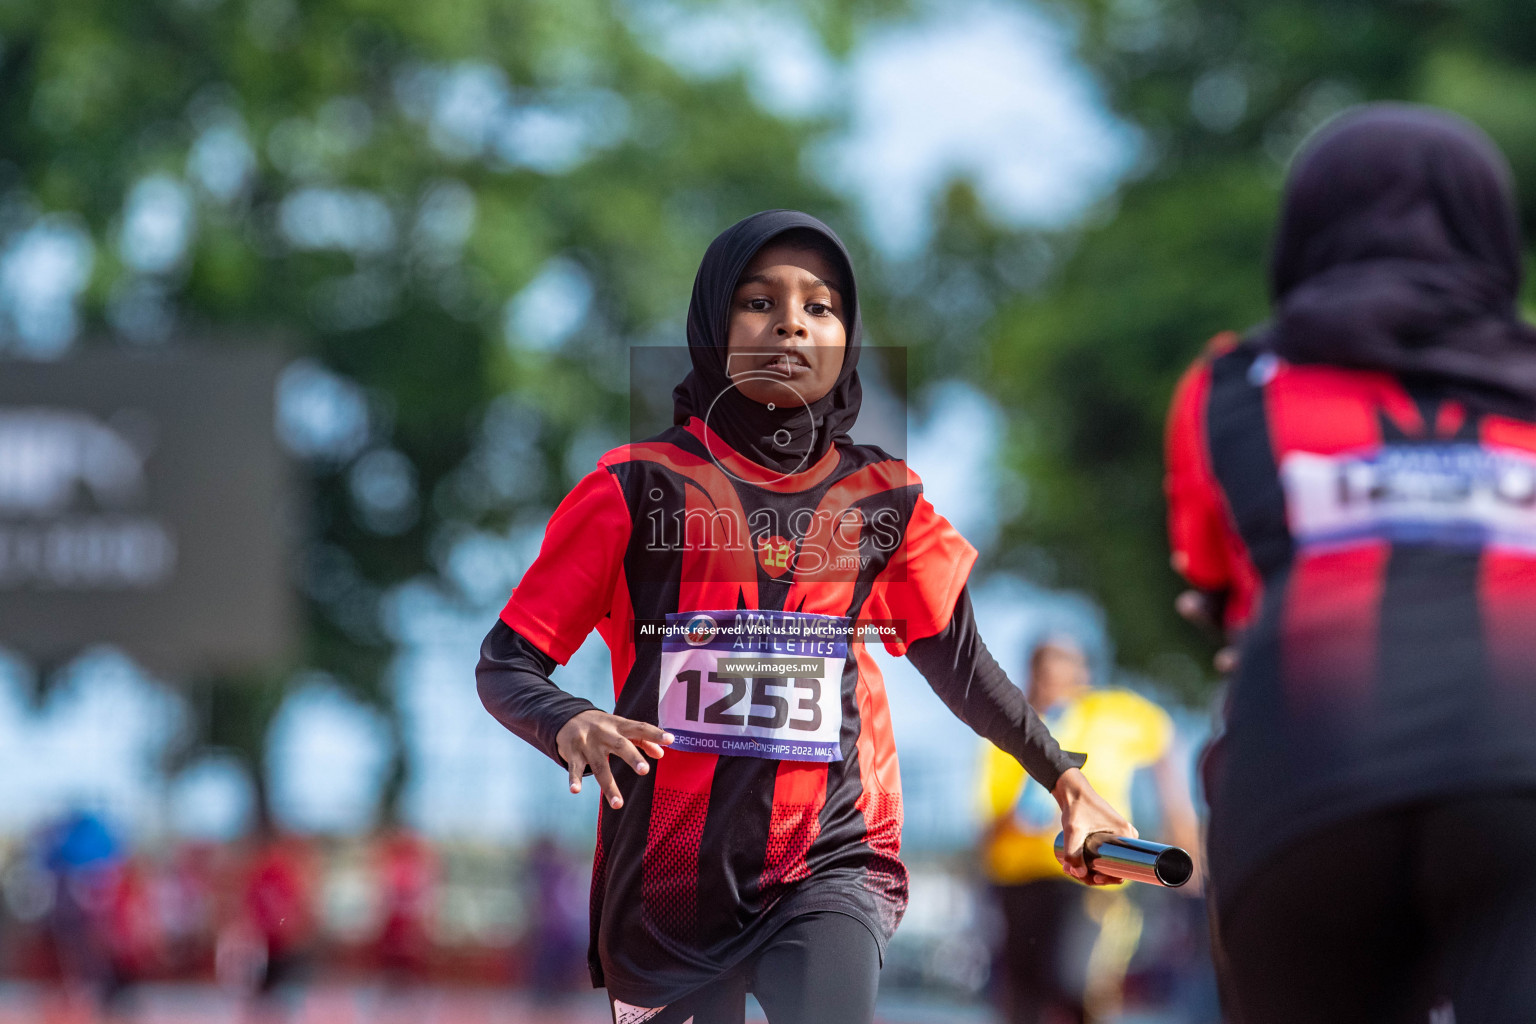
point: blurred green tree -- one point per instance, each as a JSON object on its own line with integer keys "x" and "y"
{"x": 373, "y": 182}
{"x": 1085, "y": 363}
{"x": 459, "y": 217}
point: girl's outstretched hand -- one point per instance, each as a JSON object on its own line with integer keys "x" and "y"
{"x": 1084, "y": 812}
{"x": 591, "y": 737}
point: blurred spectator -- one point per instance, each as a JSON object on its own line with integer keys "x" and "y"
{"x": 558, "y": 924}
{"x": 407, "y": 873}
{"x": 279, "y": 907}
{"x": 1065, "y": 948}
{"x": 84, "y": 858}
{"x": 133, "y": 924}
{"x": 189, "y": 906}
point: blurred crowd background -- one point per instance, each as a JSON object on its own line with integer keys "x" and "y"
{"x": 429, "y": 239}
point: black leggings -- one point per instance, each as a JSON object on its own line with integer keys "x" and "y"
{"x": 1384, "y": 916}
{"x": 820, "y": 968}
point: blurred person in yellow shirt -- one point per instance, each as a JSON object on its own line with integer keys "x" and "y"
{"x": 1065, "y": 947}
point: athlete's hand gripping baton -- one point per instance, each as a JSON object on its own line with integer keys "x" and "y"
{"x": 1134, "y": 860}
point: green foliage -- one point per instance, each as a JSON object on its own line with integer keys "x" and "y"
{"x": 1223, "y": 93}
{"x": 1086, "y": 369}
{"x": 339, "y": 95}
{"x": 1080, "y": 334}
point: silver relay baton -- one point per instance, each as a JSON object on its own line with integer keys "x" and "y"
{"x": 1134, "y": 860}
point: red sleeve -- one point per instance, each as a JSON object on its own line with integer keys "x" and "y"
{"x": 917, "y": 589}
{"x": 569, "y": 588}
{"x": 1196, "y": 515}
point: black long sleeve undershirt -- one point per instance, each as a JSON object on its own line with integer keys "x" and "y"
{"x": 970, "y": 682}
{"x": 514, "y": 684}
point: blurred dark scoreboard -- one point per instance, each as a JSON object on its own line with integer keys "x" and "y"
{"x": 144, "y": 502}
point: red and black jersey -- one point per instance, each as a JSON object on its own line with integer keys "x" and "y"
{"x": 712, "y": 851}
{"x": 1377, "y": 543}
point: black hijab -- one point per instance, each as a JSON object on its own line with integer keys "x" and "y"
{"x": 1399, "y": 250}
{"x": 745, "y": 425}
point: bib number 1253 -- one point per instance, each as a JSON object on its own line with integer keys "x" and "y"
{"x": 719, "y": 712}
{"x": 754, "y": 684}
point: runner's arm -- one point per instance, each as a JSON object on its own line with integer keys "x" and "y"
{"x": 923, "y": 591}
{"x": 514, "y": 684}
{"x": 1204, "y": 547}
{"x": 970, "y": 682}
{"x": 561, "y": 598}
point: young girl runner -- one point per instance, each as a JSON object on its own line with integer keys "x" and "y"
{"x": 751, "y": 824}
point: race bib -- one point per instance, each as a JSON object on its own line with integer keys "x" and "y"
{"x": 1451, "y": 494}
{"x": 754, "y": 683}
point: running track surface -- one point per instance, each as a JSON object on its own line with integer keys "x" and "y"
{"x": 334, "y": 1004}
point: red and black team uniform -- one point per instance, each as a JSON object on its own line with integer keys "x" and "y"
{"x": 1372, "y": 531}
{"x": 710, "y": 853}
{"x": 735, "y": 600}
{"x": 1392, "y": 536}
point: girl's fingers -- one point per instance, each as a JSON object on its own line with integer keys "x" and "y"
{"x": 631, "y": 756}
{"x": 653, "y": 749}
{"x": 644, "y": 731}
{"x": 610, "y": 787}
{"x": 1072, "y": 854}
{"x": 576, "y": 767}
